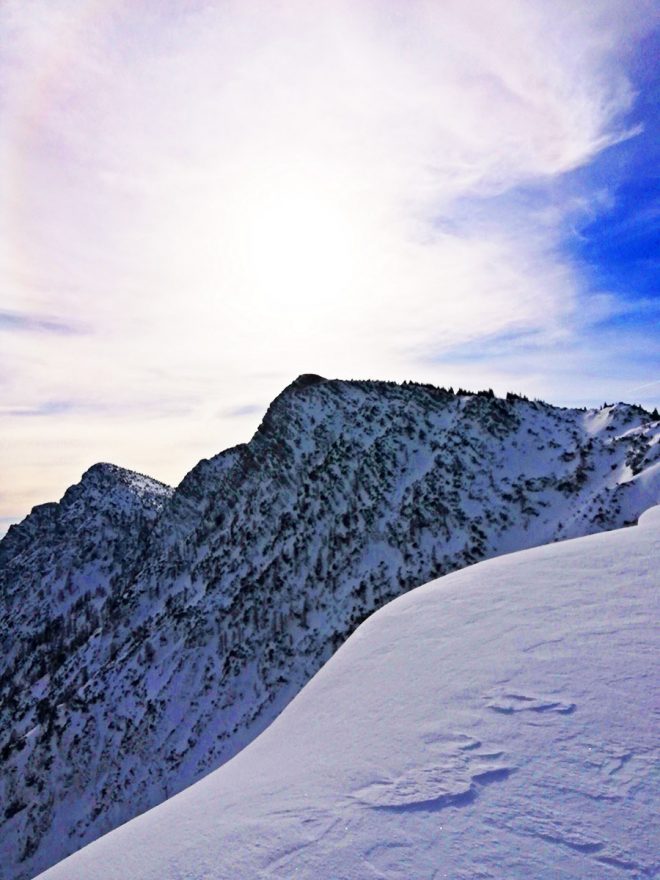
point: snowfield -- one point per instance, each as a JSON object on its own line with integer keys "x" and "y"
{"x": 500, "y": 722}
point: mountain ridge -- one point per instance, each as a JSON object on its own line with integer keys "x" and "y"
{"x": 160, "y": 630}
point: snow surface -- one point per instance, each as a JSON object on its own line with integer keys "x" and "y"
{"x": 496, "y": 723}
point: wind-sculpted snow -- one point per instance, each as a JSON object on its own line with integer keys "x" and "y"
{"x": 496, "y": 723}
{"x": 149, "y": 634}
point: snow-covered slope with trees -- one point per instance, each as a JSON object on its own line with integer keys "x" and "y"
{"x": 500, "y": 722}
{"x": 148, "y": 634}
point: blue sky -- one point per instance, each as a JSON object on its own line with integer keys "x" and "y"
{"x": 200, "y": 202}
{"x": 620, "y": 247}
{"x": 612, "y": 238}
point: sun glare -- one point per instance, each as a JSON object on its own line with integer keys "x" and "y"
{"x": 297, "y": 244}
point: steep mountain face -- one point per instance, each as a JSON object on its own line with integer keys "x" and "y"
{"x": 148, "y": 634}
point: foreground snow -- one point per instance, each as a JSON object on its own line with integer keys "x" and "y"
{"x": 496, "y": 723}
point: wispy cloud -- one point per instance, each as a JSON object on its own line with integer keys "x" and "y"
{"x": 239, "y": 412}
{"x": 645, "y": 385}
{"x": 26, "y": 323}
{"x": 232, "y": 194}
{"x": 48, "y": 408}
{"x": 149, "y": 408}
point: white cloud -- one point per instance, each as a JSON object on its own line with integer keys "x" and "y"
{"x": 231, "y": 194}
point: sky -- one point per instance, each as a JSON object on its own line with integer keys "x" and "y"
{"x": 201, "y": 201}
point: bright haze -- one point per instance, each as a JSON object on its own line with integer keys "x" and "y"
{"x": 200, "y": 201}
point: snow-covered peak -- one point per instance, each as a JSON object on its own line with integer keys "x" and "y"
{"x": 108, "y": 473}
{"x": 105, "y": 495}
{"x": 615, "y": 418}
{"x": 496, "y": 723}
{"x": 109, "y": 482}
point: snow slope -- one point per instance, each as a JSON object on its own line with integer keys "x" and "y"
{"x": 500, "y": 722}
{"x": 147, "y": 634}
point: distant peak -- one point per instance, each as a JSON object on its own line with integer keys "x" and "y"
{"x": 108, "y": 475}
{"x": 104, "y": 470}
